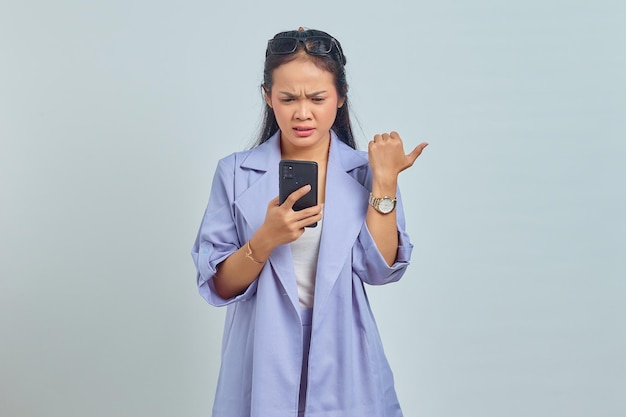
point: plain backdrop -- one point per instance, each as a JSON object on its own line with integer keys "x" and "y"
{"x": 114, "y": 113}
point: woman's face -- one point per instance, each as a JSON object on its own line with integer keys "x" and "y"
{"x": 305, "y": 102}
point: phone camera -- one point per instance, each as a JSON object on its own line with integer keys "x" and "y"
{"x": 288, "y": 171}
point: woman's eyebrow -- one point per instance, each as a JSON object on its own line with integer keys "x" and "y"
{"x": 315, "y": 93}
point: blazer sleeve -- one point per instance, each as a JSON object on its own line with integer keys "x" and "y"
{"x": 369, "y": 264}
{"x": 217, "y": 238}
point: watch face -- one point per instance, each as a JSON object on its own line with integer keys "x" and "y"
{"x": 386, "y": 205}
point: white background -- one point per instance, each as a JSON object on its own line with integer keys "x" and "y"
{"x": 114, "y": 113}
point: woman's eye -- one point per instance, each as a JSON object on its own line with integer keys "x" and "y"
{"x": 318, "y": 99}
{"x": 286, "y": 100}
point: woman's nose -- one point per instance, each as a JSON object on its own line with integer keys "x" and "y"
{"x": 303, "y": 112}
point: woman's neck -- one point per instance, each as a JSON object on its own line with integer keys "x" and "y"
{"x": 317, "y": 153}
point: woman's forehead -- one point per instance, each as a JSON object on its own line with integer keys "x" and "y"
{"x": 302, "y": 71}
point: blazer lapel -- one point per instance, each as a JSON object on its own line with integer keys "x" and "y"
{"x": 344, "y": 215}
{"x": 256, "y": 183}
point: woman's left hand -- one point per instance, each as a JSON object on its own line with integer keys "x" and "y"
{"x": 386, "y": 155}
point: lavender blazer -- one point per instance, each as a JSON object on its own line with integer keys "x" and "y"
{"x": 349, "y": 375}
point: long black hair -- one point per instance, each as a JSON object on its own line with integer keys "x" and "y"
{"x": 332, "y": 62}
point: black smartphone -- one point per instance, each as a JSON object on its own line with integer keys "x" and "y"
{"x": 295, "y": 175}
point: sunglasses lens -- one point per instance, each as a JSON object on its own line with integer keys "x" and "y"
{"x": 315, "y": 45}
{"x": 283, "y": 45}
{"x": 319, "y": 44}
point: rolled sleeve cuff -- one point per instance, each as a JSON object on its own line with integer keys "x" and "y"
{"x": 206, "y": 271}
{"x": 378, "y": 272}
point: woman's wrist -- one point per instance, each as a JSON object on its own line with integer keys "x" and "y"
{"x": 385, "y": 185}
{"x": 258, "y": 248}
{"x": 250, "y": 254}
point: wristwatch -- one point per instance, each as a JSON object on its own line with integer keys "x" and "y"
{"x": 384, "y": 204}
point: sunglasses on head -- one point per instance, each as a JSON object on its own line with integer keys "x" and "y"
{"x": 313, "y": 45}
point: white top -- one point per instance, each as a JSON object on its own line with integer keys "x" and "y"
{"x": 304, "y": 252}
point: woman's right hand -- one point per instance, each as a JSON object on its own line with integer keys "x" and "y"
{"x": 282, "y": 224}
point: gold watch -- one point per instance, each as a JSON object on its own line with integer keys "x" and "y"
{"x": 384, "y": 205}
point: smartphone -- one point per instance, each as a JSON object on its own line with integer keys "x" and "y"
{"x": 295, "y": 175}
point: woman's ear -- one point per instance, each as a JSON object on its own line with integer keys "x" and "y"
{"x": 341, "y": 102}
{"x": 266, "y": 96}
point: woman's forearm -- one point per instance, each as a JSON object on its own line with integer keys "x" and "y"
{"x": 384, "y": 227}
{"x": 241, "y": 268}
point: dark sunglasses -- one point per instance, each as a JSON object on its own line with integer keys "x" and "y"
{"x": 313, "y": 45}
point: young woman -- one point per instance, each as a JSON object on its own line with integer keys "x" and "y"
{"x": 299, "y": 337}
